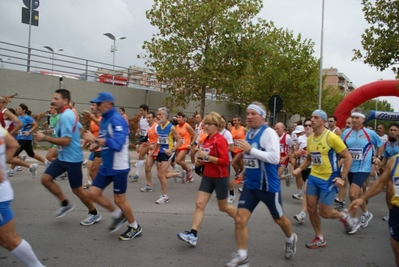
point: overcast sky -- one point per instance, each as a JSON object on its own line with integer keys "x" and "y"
{"x": 77, "y": 26}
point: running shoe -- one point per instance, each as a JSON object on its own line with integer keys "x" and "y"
{"x": 386, "y": 218}
{"x": 231, "y": 198}
{"x": 239, "y": 178}
{"x": 317, "y": 243}
{"x": 290, "y": 248}
{"x": 188, "y": 237}
{"x": 350, "y": 226}
{"x": 364, "y": 220}
{"x": 339, "y": 206}
{"x": 91, "y": 219}
{"x": 33, "y": 170}
{"x": 47, "y": 163}
{"x": 288, "y": 179}
{"x": 63, "y": 210}
{"x": 236, "y": 261}
{"x": 87, "y": 184}
{"x": 239, "y": 189}
{"x": 300, "y": 217}
{"x": 131, "y": 233}
{"x": 336, "y": 200}
{"x": 117, "y": 224}
{"x": 175, "y": 169}
{"x": 10, "y": 173}
{"x": 189, "y": 177}
{"x": 163, "y": 199}
{"x": 84, "y": 164}
{"x": 135, "y": 178}
{"x": 18, "y": 168}
{"x": 298, "y": 196}
{"x": 147, "y": 188}
{"x": 23, "y": 157}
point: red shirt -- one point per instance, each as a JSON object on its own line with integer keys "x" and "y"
{"x": 216, "y": 146}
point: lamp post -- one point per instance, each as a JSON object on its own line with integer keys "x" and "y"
{"x": 113, "y": 50}
{"x": 321, "y": 55}
{"x": 2, "y": 61}
{"x": 52, "y": 57}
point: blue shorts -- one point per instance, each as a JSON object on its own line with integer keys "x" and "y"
{"x": 324, "y": 190}
{"x": 250, "y": 198}
{"x": 74, "y": 170}
{"x": 6, "y": 213}
{"x": 93, "y": 155}
{"x": 358, "y": 178}
{"x": 120, "y": 182}
{"x": 394, "y": 222}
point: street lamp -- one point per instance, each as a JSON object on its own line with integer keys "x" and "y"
{"x": 52, "y": 56}
{"x": 113, "y": 50}
{"x": 321, "y": 56}
{"x": 2, "y": 61}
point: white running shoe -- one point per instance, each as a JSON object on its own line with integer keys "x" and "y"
{"x": 33, "y": 170}
{"x": 231, "y": 198}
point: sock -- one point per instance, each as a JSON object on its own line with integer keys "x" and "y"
{"x": 116, "y": 213}
{"x": 24, "y": 253}
{"x": 302, "y": 214}
{"x": 194, "y": 232}
{"x": 134, "y": 225}
{"x": 355, "y": 220}
{"x": 366, "y": 214}
{"x": 243, "y": 253}
{"x": 299, "y": 192}
{"x": 321, "y": 237}
{"x": 140, "y": 165}
{"x": 65, "y": 203}
{"x": 289, "y": 239}
{"x": 93, "y": 212}
{"x": 232, "y": 192}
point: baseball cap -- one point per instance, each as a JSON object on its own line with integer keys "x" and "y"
{"x": 103, "y": 97}
{"x": 298, "y": 129}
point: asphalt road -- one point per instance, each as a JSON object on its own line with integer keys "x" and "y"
{"x": 64, "y": 242}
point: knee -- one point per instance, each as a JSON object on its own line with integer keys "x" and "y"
{"x": 312, "y": 209}
{"x": 10, "y": 242}
{"x": 46, "y": 180}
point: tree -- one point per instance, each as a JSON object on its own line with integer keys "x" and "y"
{"x": 195, "y": 43}
{"x": 381, "y": 40}
{"x": 215, "y": 45}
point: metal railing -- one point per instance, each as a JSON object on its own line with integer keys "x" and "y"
{"x": 57, "y": 64}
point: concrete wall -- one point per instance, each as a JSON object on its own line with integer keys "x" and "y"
{"x": 36, "y": 91}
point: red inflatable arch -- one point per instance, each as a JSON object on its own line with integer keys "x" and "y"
{"x": 361, "y": 95}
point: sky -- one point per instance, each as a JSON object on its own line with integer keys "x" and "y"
{"x": 78, "y": 27}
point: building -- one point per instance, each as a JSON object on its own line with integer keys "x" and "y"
{"x": 338, "y": 80}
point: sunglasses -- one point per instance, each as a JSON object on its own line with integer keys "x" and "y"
{"x": 307, "y": 125}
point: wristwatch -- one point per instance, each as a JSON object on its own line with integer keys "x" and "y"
{"x": 343, "y": 177}
{"x": 206, "y": 157}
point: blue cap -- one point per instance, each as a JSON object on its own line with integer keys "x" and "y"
{"x": 321, "y": 113}
{"x": 103, "y": 97}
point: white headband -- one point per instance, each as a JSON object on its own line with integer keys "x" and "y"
{"x": 258, "y": 109}
{"x": 358, "y": 114}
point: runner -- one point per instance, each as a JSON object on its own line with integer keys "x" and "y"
{"x": 153, "y": 150}
{"x": 286, "y": 149}
{"x": 52, "y": 153}
{"x": 238, "y": 133}
{"x": 70, "y": 158}
{"x": 262, "y": 183}
{"x": 214, "y": 156}
{"x": 114, "y": 142}
{"x": 142, "y": 134}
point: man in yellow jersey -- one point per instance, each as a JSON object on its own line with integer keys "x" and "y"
{"x": 391, "y": 172}
{"x": 323, "y": 149}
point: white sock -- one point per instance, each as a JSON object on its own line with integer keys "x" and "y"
{"x": 366, "y": 213}
{"x": 289, "y": 239}
{"x": 24, "y": 253}
{"x": 116, "y": 213}
{"x": 140, "y": 165}
{"x": 243, "y": 253}
{"x": 355, "y": 220}
{"x": 134, "y": 225}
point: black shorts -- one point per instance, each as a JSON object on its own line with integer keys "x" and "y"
{"x": 163, "y": 157}
{"x": 394, "y": 222}
{"x": 305, "y": 174}
{"x": 219, "y": 185}
{"x": 143, "y": 139}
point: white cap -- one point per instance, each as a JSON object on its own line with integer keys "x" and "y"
{"x": 298, "y": 129}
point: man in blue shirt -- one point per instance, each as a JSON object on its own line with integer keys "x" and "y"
{"x": 113, "y": 139}
{"x": 70, "y": 158}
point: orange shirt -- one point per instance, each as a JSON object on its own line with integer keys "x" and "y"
{"x": 185, "y": 136}
{"x": 237, "y": 134}
{"x": 153, "y": 137}
{"x": 202, "y": 136}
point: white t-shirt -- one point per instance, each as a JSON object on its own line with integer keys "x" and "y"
{"x": 383, "y": 138}
{"x": 143, "y": 124}
{"x": 229, "y": 138}
{"x": 302, "y": 143}
{"x": 6, "y": 192}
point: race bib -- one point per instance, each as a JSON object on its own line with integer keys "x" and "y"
{"x": 396, "y": 186}
{"x": 143, "y": 132}
{"x": 316, "y": 158}
{"x": 162, "y": 140}
{"x": 357, "y": 153}
{"x": 281, "y": 148}
{"x": 251, "y": 163}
